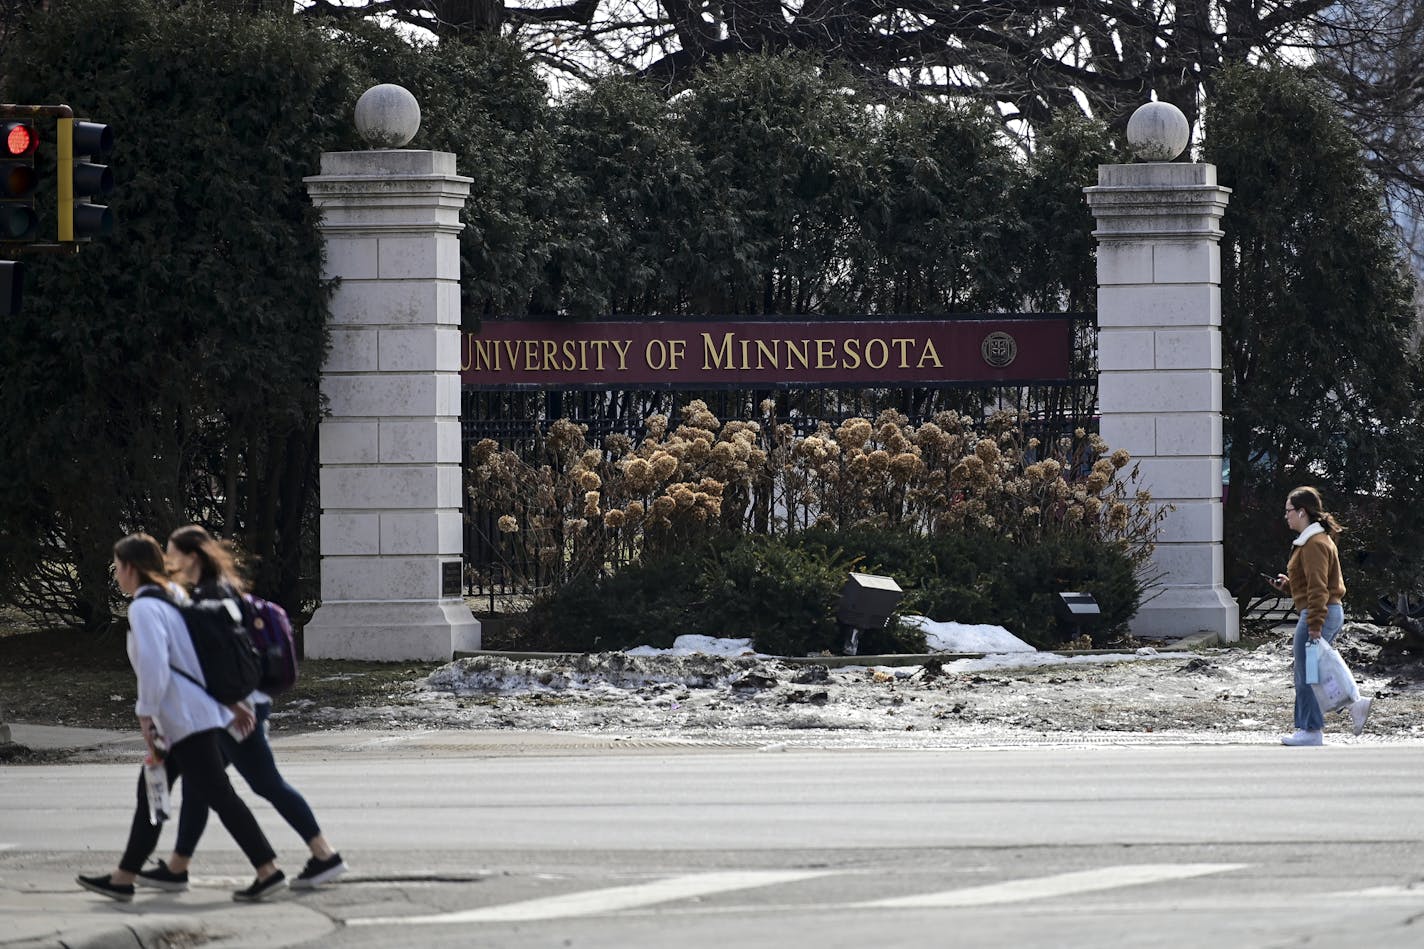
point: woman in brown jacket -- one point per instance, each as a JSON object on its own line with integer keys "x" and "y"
{"x": 1316, "y": 585}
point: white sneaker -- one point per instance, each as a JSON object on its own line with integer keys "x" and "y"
{"x": 1303, "y": 737}
{"x": 1359, "y": 712}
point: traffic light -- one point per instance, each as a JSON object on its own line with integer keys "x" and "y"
{"x": 80, "y": 179}
{"x": 12, "y": 282}
{"x": 18, "y": 180}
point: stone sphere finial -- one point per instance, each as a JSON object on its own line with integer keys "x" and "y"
{"x": 387, "y": 116}
{"x": 1158, "y": 131}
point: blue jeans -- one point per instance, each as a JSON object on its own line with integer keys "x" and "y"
{"x": 253, "y": 760}
{"x": 1307, "y": 710}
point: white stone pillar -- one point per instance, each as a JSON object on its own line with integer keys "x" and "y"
{"x": 1159, "y": 362}
{"x": 391, "y": 486}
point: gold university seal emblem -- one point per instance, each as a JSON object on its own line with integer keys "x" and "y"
{"x": 999, "y": 349}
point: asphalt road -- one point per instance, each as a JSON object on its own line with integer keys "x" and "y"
{"x": 1078, "y": 845}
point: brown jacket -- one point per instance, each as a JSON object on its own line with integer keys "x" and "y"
{"x": 1314, "y": 580}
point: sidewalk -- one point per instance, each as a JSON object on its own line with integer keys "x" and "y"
{"x": 48, "y": 909}
{"x": 44, "y": 907}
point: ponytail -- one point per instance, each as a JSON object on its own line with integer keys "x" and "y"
{"x": 1308, "y": 500}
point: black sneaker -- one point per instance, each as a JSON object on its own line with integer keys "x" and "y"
{"x": 162, "y": 878}
{"x": 261, "y": 889}
{"x": 317, "y": 872}
{"x": 123, "y": 892}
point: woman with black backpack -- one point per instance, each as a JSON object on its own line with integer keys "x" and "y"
{"x": 207, "y": 567}
{"x": 181, "y": 724}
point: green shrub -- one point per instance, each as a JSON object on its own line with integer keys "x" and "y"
{"x": 875, "y": 549}
{"x": 1023, "y": 591}
{"x": 781, "y": 595}
{"x": 783, "y": 592}
{"x": 957, "y": 581}
{"x": 649, "y": 603}
{"x": 980, "y": 577}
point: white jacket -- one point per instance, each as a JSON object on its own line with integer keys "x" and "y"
{"x": 157, "y": 639}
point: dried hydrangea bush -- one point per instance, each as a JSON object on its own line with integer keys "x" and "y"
{"x": 576, "y": 508}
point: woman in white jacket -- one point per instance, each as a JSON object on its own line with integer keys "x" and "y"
{"x": 181, "y": 725}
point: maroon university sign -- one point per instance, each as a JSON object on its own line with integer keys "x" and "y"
{"x": 708, "y": 354}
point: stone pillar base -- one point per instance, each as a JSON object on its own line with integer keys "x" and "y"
{"x": 431, "y": 630}
{"x": 1184, "y": 611}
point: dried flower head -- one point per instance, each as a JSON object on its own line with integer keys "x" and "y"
{"x": 664, "y": 466}
{"x": 639, "y": 472}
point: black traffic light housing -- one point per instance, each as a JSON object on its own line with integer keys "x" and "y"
{"x": 80, "y": 179}
{"x": 18, "y": 181}
{"x": 12, "y": 284}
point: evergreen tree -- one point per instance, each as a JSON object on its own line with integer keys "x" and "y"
{"x": 169, "y": 373}
{"x": 782, "y": 146}
{"x": 1320, "y": 386}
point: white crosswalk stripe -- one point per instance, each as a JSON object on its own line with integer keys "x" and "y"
{"x": 636, "y": 896}
{"x": 592, "y": 902}
{"x": 1061, "y": 884}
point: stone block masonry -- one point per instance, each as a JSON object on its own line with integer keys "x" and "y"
{"x": 1159, "y": 381}
{"x": 390, "y": 450}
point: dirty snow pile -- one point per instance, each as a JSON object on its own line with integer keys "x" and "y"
{"x": 721, "y": 690}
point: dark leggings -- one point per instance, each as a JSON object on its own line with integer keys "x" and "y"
{"x": 198, "y": 760}
{"x": 253, "y": 760}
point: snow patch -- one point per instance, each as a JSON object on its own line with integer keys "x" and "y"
{"x": 699, "y": 645}
{"x": 963, "y": 637}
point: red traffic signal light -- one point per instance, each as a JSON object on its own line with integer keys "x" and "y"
{"x": 20, "y": 139}
{"x": 18, "y": 181}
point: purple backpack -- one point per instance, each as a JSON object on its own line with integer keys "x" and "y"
{"x": 271, "y": 633}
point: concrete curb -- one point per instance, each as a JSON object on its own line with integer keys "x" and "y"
{"x": 1206, "y": 639}
{"x": 142, "y": 934}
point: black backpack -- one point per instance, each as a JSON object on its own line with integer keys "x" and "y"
{"x": 229, "y": 660}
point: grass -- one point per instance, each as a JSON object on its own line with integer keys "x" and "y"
{"x": 83, "y": 680}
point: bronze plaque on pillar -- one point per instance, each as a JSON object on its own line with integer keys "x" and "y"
{"x": 450, "y": 578}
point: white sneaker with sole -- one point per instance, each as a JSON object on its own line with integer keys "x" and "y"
{"x": 1303, "y": 737}
{"x": 1359, "y": 712}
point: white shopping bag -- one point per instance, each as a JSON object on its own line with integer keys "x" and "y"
{"x": 1336, "y": 687}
